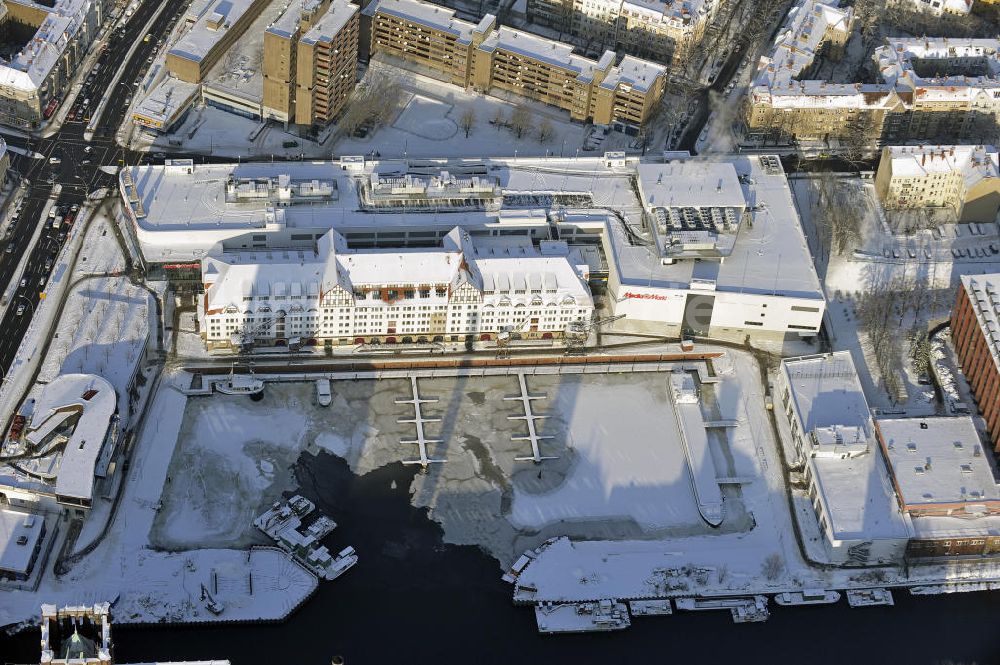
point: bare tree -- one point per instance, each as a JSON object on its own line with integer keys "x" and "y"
{"x": 545, "y": 130}
{"x": 520, "y": 121}
{"x": 773, "y": 566}
{"x": 374, "y": 101}
{"x": 498, "y": 119}
{"x": 467, "y": 121}
{"x": 859, "y": 137}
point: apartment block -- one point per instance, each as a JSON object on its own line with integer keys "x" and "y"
{"x": 427, "y": 35}
{"x": 659, "y": 30}
{"x": 54, "y": 38}
{"x": 964, "y": 178}
{"x": 975, "y": 331}
{"x": 212, "y": 28}
{"x": 310, "y": 61}
{"x": 540, "y": 69}
{"x": 485, "y": 57}
{"x": 327, "y": 65}
{"x": 931, "y": 88}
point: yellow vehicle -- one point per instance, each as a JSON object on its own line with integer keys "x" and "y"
{"x": 147, "y": 37}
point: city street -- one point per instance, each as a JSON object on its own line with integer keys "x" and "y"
{"x": 78, "y": 168}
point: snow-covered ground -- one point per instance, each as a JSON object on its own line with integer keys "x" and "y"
{"x": 925, "y": 257}
{"x": 154, "y": 585}
{"x": 107, "y": 321}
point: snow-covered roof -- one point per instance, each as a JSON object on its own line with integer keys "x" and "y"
{"x": 826, "y": 391}
{"x": 163, "y": 103}
{"x": 853, "y": 487}
{"x": 634, "y": 73}
{"x": 547, "y": 51}
{"x": 209, "y": 29}
{"x": 690, "y": 183}
{"x": 674, "y": 12}
{"x": 186, "y": 213}
{"x": 943, "y": 6}
{"x": 94, "y": 402}
{"x": 769, "y": 256}
{"x": 809, "y": 24}
{"x": 288, "y": 22}
{"x": 332, "y": 22}
{"x": 32, "y": 65}
{"x": 426, "y": 14}
{"x": 938, "y": 461}
{"x": 984, "y": 294}
{"x": 19, "y": 535}
{"x": 297, "y": 279}
{"x": 973, "y": 163}
{"x": 857, "y": 497}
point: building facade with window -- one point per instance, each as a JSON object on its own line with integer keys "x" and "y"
{"x": 485, "y": 57}
{"x": 962, "y": 178}
{"x": 930, "y": 89}
{"x": 310, "y": 61}
{"x": 975, "y": 332}
{"x": 460, "y": 291}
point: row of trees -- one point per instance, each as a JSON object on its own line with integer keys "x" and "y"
{"x": 894, "y": 307}
{"x": 836, "y": 217}
{"x": 520, "y": 123}
{"x": 374, "y": 101}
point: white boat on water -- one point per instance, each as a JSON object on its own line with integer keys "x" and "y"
{"x": 869, "y": 597}
{"x": 807, "y": 597}
{"x": 341, "y": 563}
{"x": 602, "y": 616}
{"x": 240, "y": 384}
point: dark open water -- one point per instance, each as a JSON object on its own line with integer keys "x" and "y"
{"x": 412, "y": 599}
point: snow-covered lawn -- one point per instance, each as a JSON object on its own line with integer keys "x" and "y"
{"x": 427, "y": 118}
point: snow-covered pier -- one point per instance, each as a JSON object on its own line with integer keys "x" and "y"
{"x": 694, "y": 439}
{"x": 529, "y": 418}
{"x": 419, "y": 420}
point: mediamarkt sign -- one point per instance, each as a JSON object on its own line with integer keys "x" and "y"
{"x": 644, "y": 296}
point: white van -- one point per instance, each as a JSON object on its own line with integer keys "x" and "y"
{"x": 323, "y": 394}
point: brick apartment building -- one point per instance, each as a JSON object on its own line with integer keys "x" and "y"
{"x": 975, "y": 329}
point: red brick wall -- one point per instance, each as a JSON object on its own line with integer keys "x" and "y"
{"x": 977, "y": 363}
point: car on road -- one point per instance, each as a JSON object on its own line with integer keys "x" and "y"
{"x": 48, "y": 265}
{"x": 41, "y": 281}
{"x": 88, "y": 149}
{"x": 24, "y": 282}
{"x": 20, "y": 309}
{"x": 55, "y": 160}
{"x": 51, "y": 179}
{"x": 85, "y": 162}
{"x": 10, "y": 248}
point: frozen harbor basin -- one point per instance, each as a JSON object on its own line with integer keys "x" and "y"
{"x": 614, "y": 467}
